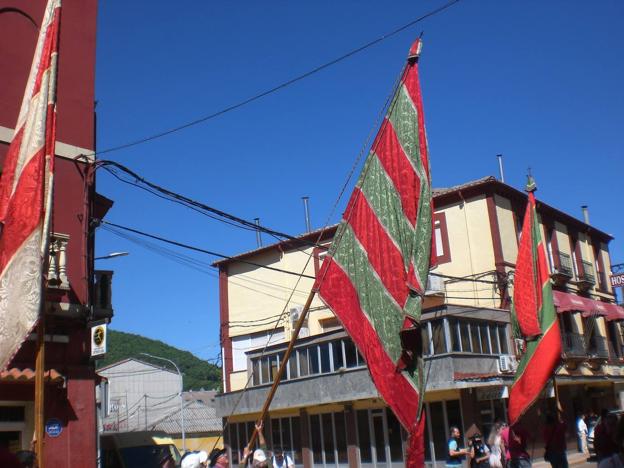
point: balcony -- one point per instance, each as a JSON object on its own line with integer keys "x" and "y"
{"x": 573, "y": 346}
{"x": 57, "y": 262}
{"x": 586, "y": 278}
{"x": 102, "y": 295}
{"x": 597, "y": 348}
{"x": 562, "y": 273}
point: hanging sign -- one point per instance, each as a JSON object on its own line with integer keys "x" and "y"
{"x": 617, "y": 280}
{"x": 98, "y": 340}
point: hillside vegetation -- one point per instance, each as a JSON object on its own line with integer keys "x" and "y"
{"x": 197, "y": 372}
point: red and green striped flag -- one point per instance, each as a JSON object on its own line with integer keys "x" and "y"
{"x": 535, "y": 314}
{"x": 375, "y": 274}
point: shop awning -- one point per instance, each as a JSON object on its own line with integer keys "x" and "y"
{"x": 566, "y": 302}
{"x": 27, "y": 375}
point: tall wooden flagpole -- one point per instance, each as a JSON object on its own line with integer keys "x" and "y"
{"x": 40, "y": 386}
{"x": 282, "y": 367}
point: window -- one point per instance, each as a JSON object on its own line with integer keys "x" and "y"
{"x": 475, "y": 338}
{"x": 328, "y": 438}
{"x": 322, "y": 358}
{"x": 455, "y": 340}
{"x": 437, "y": 333}
{"x": 466, "y": 336}
{"x": 337, "y": 355}
{"x": 440, "y": 232}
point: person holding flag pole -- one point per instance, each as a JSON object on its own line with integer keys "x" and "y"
{"x": 534, "y": 312}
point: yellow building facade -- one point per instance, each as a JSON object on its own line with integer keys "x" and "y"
{"x": 327, "y": 411}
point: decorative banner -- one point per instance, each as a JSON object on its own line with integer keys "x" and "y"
{"x": 98, "y": 340}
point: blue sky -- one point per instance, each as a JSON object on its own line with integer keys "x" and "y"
{"x": 537, "y": 81}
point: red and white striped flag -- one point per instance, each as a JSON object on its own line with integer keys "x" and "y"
{"x": 26, "y": 194}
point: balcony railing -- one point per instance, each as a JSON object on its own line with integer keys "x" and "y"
{"x": 587, "y": 274}
{"x": 57, "y": 261}
{"x": 573, "y": 345}
{"x": 597, "y": 347}
{"x": 565, "y": 264}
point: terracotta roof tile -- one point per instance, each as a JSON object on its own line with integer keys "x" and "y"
{"x": 15, "y": 374}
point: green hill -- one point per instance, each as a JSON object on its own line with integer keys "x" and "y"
{"x": 197, "y": 372}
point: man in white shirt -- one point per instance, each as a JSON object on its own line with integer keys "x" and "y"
{"x": 581, "y": 433}
{"x": 282, "y": 460}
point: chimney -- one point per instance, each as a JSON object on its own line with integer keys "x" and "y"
{"x": 500, "y": 167}
{"x": 306, "y": 211}
{"x": 585, "y": 213}
{"x": 258, "y": 238}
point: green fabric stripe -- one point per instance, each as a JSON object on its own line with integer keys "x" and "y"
{"x": 383, "y": 197}
{"x": 384, "y": 314}
{"x": 422, "y": 239}
{"x": 404, "y": 119}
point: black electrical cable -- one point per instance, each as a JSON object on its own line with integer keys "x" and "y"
{"x": 196, "y": 205}
{"x": 280, "y": 86}
{"x": 198, "y": 249}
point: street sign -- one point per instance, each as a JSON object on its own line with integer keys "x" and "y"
{"x": 53, "y": 427}
{"x": 98, "y": 340}
{"x": 617, "y": 281}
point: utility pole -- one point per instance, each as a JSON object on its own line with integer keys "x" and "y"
{"x": 180, "y": 393}
{"x": 145, "y": 405}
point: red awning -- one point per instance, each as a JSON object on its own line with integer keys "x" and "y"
{"x": 566, "y": 302}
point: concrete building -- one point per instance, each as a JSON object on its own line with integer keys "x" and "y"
{"x": 327, "y": 412}
{"x": 135, "y": 395}
{"x": 77, "y": 295}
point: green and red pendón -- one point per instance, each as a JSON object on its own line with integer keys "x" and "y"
{"x": 376, "y": 272}
{"x": 534, "y": 309}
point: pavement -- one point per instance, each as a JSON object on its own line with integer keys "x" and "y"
{"x": 579, "y": 460}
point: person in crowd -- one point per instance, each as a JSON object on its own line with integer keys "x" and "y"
{"x": 605, "y": 433}
{"x": 497, "y": 446}
{"x": 581, "y": 432}
{"x": 517, "y": 442}
{"x": 505, "y": 439}
{"x": 196, "y": 459}
{"x": 219, "y": 458}
{"x": 455, "y": 452}
{"x": 259, "y": 457}
{"x": 555, "y": 441}
{"x": 617, "y": 459}
{"x": 281, "y": 459}
{"x": 479, "y": 452}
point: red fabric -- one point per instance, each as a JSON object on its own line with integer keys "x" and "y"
{"x": 529, "y": 384}
{"x": 340, "y": 296}
{"x": 527, "y": 289}
{"x": 383, "y": 254}
{"x": 566, "y": 302}
{"x": 400, "y": 170}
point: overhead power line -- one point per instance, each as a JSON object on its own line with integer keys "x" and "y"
{"x": 278, "y": 87}
{"x": 199, "y": 249}
{"x": 469, "y": 278}
{"x": 210, "y": 211}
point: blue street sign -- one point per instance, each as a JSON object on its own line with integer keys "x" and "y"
{"x": 53, "y": 427}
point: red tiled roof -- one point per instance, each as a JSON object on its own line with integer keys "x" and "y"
{"x": 28, "y": 375}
